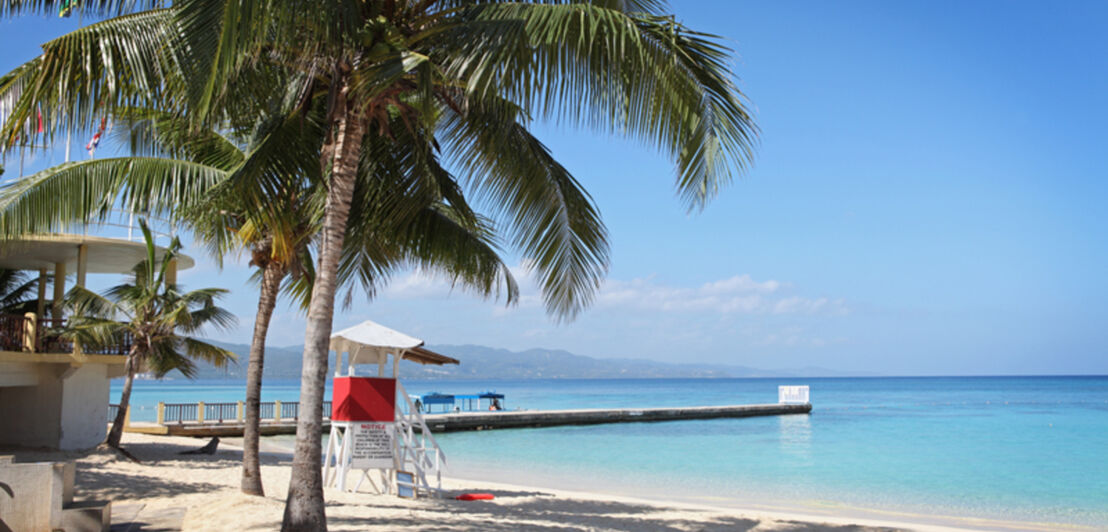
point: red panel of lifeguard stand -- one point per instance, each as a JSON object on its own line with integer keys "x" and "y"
{"x": 363, "y": 399}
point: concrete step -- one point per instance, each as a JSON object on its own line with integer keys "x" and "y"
{"x": 87, "y": 516}
{"x": 143, "y": 519}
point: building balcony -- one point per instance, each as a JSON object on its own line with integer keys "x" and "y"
{"x": 54, "y": 393}
{"x": 30, "y": 334}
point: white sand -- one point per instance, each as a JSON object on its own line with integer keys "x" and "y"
{"x": 207, "y": 488}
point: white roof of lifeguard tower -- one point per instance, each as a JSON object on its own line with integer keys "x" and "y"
{"x": 368, "y": 341}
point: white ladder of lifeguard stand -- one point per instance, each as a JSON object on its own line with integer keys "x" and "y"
{"x": 414, "y": 448}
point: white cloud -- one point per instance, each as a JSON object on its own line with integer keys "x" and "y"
{"x": 799, "y": 305}
{"x": 739, "y": 294}
{"x": 742, "y": 283}
{"x": 418, "y": 284}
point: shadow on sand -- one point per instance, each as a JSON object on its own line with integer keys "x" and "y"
{"x": 540, "y": 511}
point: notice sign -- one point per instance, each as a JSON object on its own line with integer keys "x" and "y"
{"x": 371, "y": 446}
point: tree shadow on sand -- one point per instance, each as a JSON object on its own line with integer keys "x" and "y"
{"x": 118, "y": 486}
{"x": 543, "y": 512}
{"x": 160, "y": 454}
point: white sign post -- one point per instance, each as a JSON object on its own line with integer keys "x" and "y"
{"x": 792, "y": 395}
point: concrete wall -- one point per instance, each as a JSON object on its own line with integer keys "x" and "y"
{"x": 16, "y": 374}
{"x": 31, "y": 415}
{"x": 84, "y": 408}
{"x": 67, "y": 409}
{"x": 32, "y": 495}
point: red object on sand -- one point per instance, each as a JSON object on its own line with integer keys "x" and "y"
{"x": 363, "y": 399}
{"x": 475, "y": 497}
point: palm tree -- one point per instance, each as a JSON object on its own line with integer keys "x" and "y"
{"x": 152, "y": 317}
{"x": 467, "y": 76}
{"x": 487, "y": 63}
{"x": 442, "y": 237}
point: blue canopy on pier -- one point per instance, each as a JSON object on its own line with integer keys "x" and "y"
{"x": 437, "y": 399}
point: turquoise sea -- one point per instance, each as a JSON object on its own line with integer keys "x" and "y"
{"x": 1028, "y": 449}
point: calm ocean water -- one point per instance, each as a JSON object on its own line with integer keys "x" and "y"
{"x": 1029, "y": 449}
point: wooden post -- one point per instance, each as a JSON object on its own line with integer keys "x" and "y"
{"x": 161, "y": 413}
{"x": 238, "y": 410}
{"x": 82, "y": 264}
{"x": 171, "y": 273}
{"x": 127, "y": 418}
{"x": 30, "y": 324}
{"x": 200, "y": 412}
{"x": 276, "y": 411}
{"x": 41, "y": 308}
{"x": 59, "y": 290}
{"x": 82, "y": 271}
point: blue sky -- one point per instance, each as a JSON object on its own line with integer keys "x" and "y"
{"x": 927, "y": 199}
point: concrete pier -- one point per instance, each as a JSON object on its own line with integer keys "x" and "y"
{"x": 551, "y": 418}
{"x": 457, "y": 421}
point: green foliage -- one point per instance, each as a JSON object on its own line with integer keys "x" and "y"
{"x": 454, "y": 79}
{"x": 154, "y": 314}
{"x": 402, "y": 219}
{"x": 18, "y": 291}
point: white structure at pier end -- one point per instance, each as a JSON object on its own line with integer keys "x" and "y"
{"x": 54, "y": 394}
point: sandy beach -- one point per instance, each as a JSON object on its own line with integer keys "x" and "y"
{"x": 200, "y": 492}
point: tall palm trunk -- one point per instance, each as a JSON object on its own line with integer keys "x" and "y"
{"x": 116, "y": 433}
{"x": 251, "y": 468}
{"x": 304, "y": 509}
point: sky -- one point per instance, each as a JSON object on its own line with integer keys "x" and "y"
{"x": 927, "y": 199}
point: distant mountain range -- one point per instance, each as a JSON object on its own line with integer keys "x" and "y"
{"x": 481, "y": 362}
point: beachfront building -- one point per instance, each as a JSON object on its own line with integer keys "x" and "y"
{"x": 52, "y": 393}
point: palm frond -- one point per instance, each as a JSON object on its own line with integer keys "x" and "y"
{"x": 10, "y": 8}
{"x": 642, "y": 75}
{"x": 216, "y": 356}
{"x": 84, "y": 75}
{"x": 76, "y": 192}
{"x": 86, "y": 304}
{"x": 18, "y": 291}
{"x": 550, "y": 217}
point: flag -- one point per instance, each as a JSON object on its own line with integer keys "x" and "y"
{"x": 95, "y": 141}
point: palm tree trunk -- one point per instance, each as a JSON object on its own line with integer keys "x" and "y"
{"x": 116, "y": 434}
{"x": 251, "y": 468}
{"x": 304, "y": 510}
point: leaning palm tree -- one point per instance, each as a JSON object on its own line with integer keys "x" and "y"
{"x": 467, "y": 74}
{"x": 153, "y": 318}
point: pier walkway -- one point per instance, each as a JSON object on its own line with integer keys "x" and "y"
{"x": 551, "y": 418}
{"x": 231, "y": 425}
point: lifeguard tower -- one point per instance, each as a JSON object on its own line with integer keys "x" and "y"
{"x": 54, "y": 393}
{"x": 370, "y": 429}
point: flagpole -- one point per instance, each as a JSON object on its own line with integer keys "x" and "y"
{"x": 69, "y": 127}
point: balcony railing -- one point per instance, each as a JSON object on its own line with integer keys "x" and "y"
{"x": 13, "y": 328}
{"x": 29, "y": 334}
